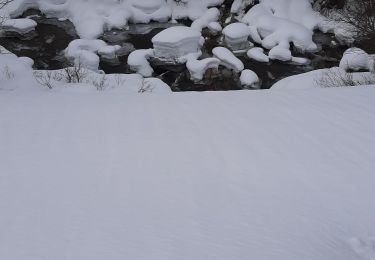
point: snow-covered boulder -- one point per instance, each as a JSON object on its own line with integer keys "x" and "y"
{"x": 249, "y": 79}
{"x": 138, "y": 61}
{"x": 280, "y": 53}
{"x": 211, "y": 16}
{"x": 236, "y": 36}
{"x": 20, "y": 26}
{"x": 86, "y": 52}
{"x": 356, "y": 59}
{"x": 282, "y": 22}
{"x": 227, "y": 59}
{"x": 215, "y": 27}
{"x": 198, "y": 68}
{"x": 175, "y": 42}
{"x": 258, "y": 54}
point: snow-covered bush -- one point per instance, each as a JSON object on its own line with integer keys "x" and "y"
{"x": 336, "y": 77}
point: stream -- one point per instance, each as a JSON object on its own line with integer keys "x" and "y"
{"x": 46, "y": 45}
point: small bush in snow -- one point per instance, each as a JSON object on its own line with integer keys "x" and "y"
{"x": 340, "y": 78}
{"x": 44, "y": 78}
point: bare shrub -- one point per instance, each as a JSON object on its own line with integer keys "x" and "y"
{"x": 75, "y": 74}
{"x": 44, "y": 78}
{"x": 8, "y": 74}
{"x": 146, "y": 87}
{"x": 100, "y": 84}
{"x": 338, "y": 78}
{"x": 120, "y": 81}
{"x": 3, "y": 3}
{"x": 359, "y": 15}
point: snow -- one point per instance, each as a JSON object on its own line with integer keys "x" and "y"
{"x": 249, "y": 78}
{"x": 356, "y": 59}
{"x": 138, "y": 61}
{"x": 17, "y": 76}
{"x": 215, "y": 27}
{"x": 258, "y": 54}
{"x": 280, "y": 53}
{"x": 226, "y": 175}
{"x": 281, "y": 22}
{"x": 236, "y": 36}
{"x": 227, "y": 59}
{"x": 21, "y": 26}
{"x": 175, "y": 42}
{"x": 211, "y": 16}
{"x": 85, "y": 52}
{"x": 197, "y": 68}
{"x": 92, "y": 17}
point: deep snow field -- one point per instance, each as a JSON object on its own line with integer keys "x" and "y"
{"x": 116, "y": 166}
{"x": 219, "y": 175}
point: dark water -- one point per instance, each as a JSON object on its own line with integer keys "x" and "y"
{"x": 45, "y": 44}
{"x": 51, "y": 37}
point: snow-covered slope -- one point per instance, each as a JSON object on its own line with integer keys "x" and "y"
{"x": 266, "y": 175}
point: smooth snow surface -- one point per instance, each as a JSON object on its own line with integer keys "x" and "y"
{"x": 237, "y": 175}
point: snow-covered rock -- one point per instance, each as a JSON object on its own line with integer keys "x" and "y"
{"x": 236, "y": 36}
{"x": 21, "y": 26}
{"x": 280, "y": 53}
{"x": 356, "y": 59}
{"x": 198, "y": 68}
{"x": 86, "y": 52}
{"x": 228, "y": 59}
{"x": 138, "y": 61}
{"x": 215, "y": 27}
{"x": 249, "y": 79}
{"x": 211, "y": 16}
{"x": 282, "y": 22}
{"x": 258, "y": 54}
{"x": 175, "y": 42}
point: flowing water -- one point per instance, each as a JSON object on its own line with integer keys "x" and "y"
{"x": 46, "y": 45}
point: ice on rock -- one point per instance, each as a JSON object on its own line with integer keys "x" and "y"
{"x": 175, "y": 42}
{"x": 249, "y": 79}
{"x": 198, "y": 68}
{"x": 138, "y": 61}
{"x": 227, "y": 59}
{"x": 356, "y": 59}
{"x": 280, "y": 53}
{"x": 85, "y": 52}
{"x": 258, "y": 54}
{"x": 236, "y": 36}
{"x": 21, "y": 26}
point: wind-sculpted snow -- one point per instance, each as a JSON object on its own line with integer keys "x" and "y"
{"x": 264, "y": 175}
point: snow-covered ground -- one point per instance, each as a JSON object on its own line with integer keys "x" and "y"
{"x": 226, "y": 175}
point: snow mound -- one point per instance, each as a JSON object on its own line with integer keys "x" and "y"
{"x": 86, "y": 52}
{"x": 21, "y": 26}
{"x": 236, "y": 36}
{"x": 138, "y": 61}
{"x": 175, "y": 42}
{"x": 258, "y": 54}
{"x": 280, "y": 53}
{"x": 283, "y": 22}
{"x": 211, "y": 16}
{"x": 356, "y": 59}
{"x": 249, "y": 79}
{"x": 15, "y": 71}
{"x": 198, "y": 68}
{"x": 228, "y": 59}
